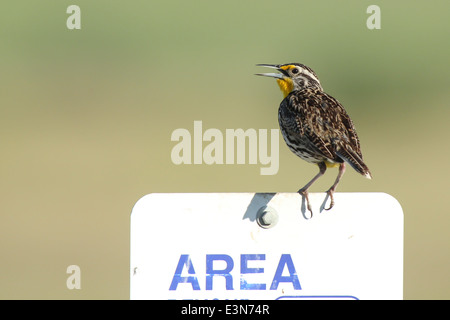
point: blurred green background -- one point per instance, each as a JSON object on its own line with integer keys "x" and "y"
{"x": 86, "y": 118}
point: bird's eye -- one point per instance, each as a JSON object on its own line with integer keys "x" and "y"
{"x": 295, "y": 71}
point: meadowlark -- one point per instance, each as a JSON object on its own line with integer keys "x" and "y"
{"x": 315, "y": 126}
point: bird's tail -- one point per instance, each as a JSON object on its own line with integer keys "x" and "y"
{"x": 356, "y": 161}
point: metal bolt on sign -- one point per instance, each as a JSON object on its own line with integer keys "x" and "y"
{"x": 267, "y": 217}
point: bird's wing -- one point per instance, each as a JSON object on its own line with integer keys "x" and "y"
{"x": 342, "y": 133}
{"x": 339, "y": 124}
{"x": 320, "y": 119}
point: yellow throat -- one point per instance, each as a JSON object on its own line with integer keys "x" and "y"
{"x": 286, "y": 85}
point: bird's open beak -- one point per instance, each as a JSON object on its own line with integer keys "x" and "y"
{"x": 281, "y": 75}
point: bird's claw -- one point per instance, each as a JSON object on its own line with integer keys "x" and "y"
{"x": 330, "y": 194}
{"x": 304, "y": 193}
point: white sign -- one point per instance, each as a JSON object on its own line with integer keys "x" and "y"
{"x": 215, "y": 246}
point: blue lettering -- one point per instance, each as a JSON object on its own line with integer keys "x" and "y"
{"x": 185, "y": 260}
{"x": 211, "y": 272}
{"x": 285, "y": 260}
{"x": 185, "y": 266}
{"x": 246, "y": 270}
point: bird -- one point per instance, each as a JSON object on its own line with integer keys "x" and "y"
{"x": 315, "y": 126}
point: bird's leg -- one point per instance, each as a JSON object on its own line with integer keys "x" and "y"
{"x": 304, "y": 191}
{"x": 330, "y": 191}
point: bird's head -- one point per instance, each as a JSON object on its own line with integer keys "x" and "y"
{"x": 292, "y": 76}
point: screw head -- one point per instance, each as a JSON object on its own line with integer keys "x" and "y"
{"x": 267, "y": 217}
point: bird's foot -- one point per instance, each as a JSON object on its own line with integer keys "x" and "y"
{"x": 330, "y": 194}
{"x": 304, "y": 193}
